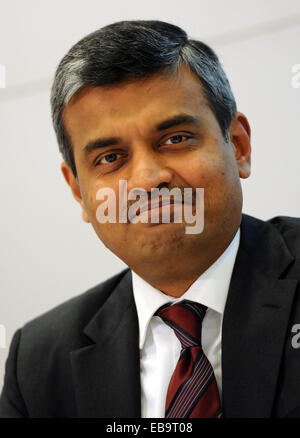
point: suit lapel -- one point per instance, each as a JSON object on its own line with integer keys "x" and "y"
{"x": 106, "y": 374}
{"x": 255, "y": 320}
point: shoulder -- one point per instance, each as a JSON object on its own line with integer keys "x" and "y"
{"x": 286, "y": 223}
{"x": 63, "y": 324}
{"x": 289, "y": 228}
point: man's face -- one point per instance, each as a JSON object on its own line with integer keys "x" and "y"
{"x": 191, "y": 154}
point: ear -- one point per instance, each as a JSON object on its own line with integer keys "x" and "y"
{"x": 75, "y": 187}
{"x": 240, "y": 134}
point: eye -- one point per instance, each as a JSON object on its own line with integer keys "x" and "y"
{"x": 176, "y": 139}
{"x": 110, "y": 158}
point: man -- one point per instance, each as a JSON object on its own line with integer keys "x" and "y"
{"x": 138, "y": 101}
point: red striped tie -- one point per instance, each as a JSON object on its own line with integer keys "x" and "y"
{"x": 192, "y": 391}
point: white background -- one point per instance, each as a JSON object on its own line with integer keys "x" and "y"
{"x": 48, "y": 254}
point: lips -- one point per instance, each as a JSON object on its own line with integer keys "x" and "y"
{"x": 156, "y": 204}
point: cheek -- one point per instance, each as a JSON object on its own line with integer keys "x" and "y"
{"x": 107, "y": 232}
{"x": 218, "y": 175}
{"x": 203, "y": 171}
{"x": 89, "y": 196}
{"x": 90, "y": 202}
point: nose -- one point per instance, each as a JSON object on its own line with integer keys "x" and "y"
{"x": 149, "y": 170}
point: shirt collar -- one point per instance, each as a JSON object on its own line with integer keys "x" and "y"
{"x": 210, "y": 289}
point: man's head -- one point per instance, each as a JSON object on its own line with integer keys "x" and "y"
{"x": 128, "y": 82}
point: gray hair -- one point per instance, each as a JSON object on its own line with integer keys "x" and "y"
{"x": 128, "y": 50}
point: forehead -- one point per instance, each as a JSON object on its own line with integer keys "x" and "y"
{"x": 142, "y": 103}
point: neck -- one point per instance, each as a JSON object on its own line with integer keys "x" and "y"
{"x": 172, "y": 276}
{"x": 172, "y": 279}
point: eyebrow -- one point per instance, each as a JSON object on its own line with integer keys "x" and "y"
{"x": 176, "y": 120}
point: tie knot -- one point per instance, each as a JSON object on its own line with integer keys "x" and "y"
{"x": 185, "y": 318}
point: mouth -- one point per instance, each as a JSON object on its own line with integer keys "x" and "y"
{"x": 156, "y": 204}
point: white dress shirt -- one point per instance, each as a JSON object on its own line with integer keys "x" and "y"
{"x": 160, "y": 347}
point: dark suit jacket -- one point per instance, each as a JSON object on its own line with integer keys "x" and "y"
{"x": 81, "y": 359}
